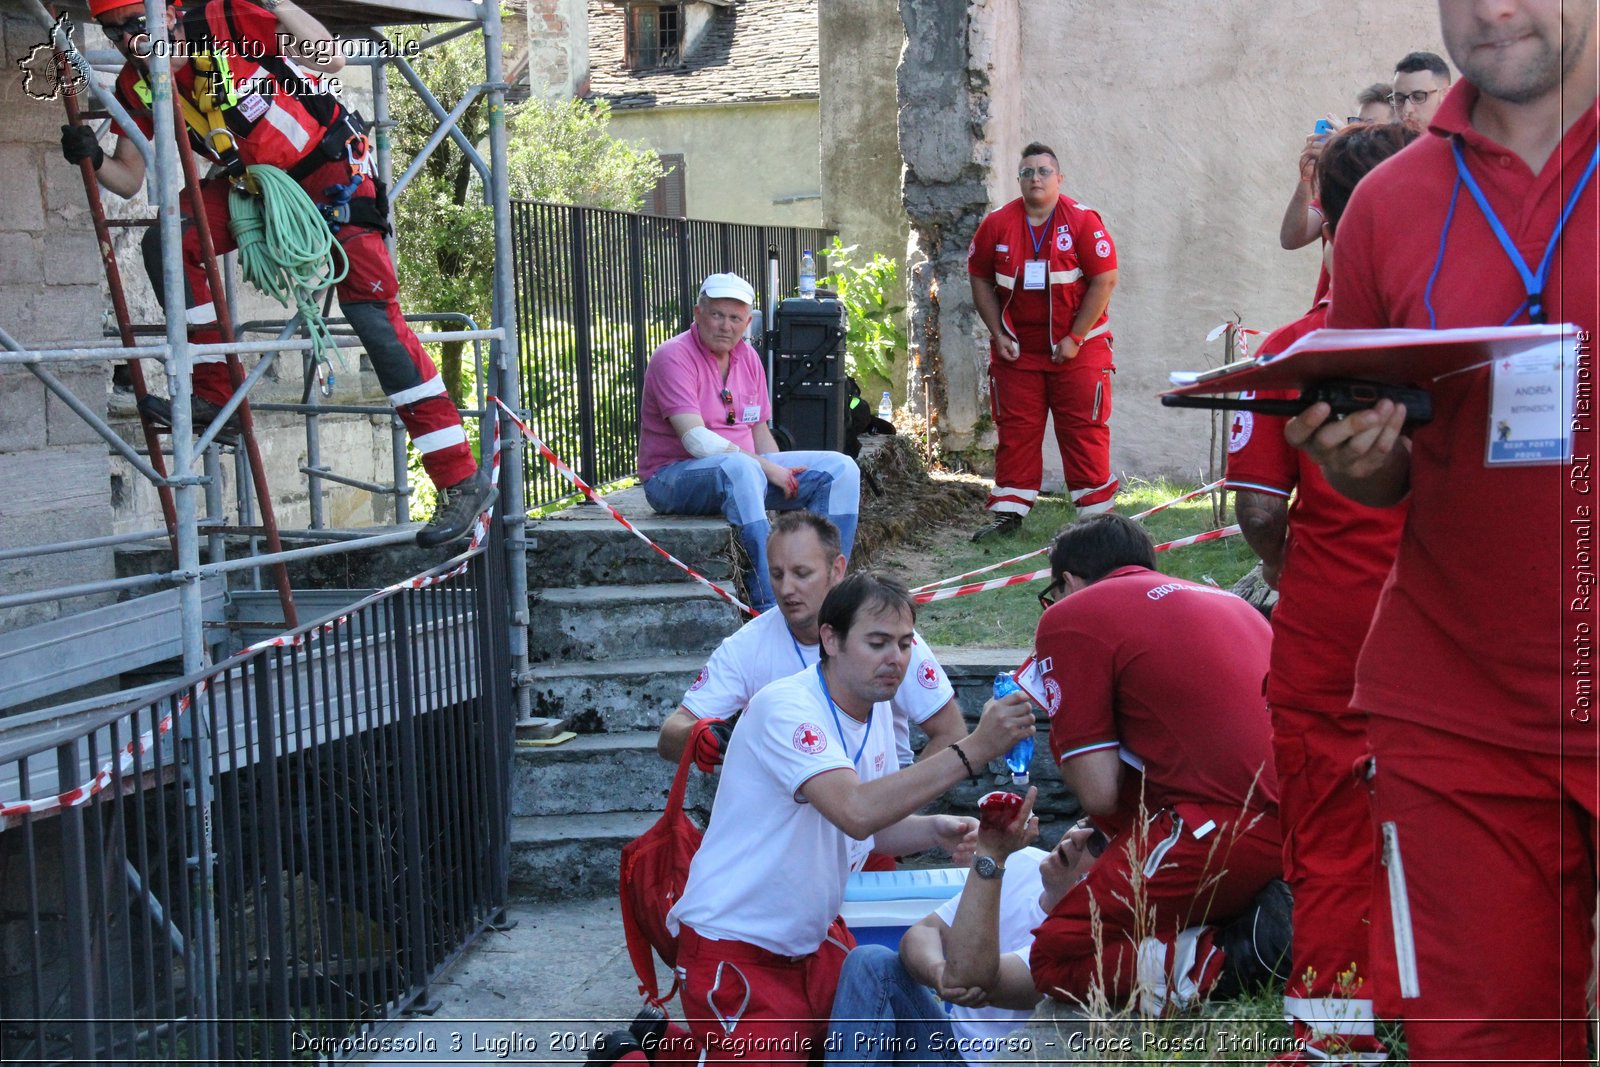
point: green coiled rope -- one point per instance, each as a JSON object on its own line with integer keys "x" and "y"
{"x": 286, "y": 249}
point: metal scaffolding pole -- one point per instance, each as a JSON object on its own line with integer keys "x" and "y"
{"x": 503, "y": 357}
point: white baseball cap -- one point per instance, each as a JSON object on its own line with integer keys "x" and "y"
{"x": 728, "y": 286}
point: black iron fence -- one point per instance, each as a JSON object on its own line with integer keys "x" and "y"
{"x": 307, "y": 837}
{"x": 597, "y": 291}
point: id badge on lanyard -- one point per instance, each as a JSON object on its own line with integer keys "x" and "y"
{"x": 1035, "y": 273}
{"x": 1530, "y": 406}
{"x": 1531, "y": 393}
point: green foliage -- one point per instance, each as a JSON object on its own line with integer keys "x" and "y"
{"x": 874, "y": 337}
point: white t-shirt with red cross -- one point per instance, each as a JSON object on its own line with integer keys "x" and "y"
{"x": 771, "y": 869}
{"x": 764, "y": 650}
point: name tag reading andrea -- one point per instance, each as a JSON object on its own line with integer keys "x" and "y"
{"x": 1034, "y": 274}
{"x": 1530, "y": 406}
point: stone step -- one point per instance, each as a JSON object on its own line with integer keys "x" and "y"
{"x": 616, "y": 696}
{"x": 619, "y": 622}
{"x": 558, "y": 857}
{"x": 598, "y": 773}
{"x": 586, "y": 546}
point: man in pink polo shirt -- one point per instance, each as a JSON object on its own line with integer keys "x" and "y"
{"x": 704, "y": 443}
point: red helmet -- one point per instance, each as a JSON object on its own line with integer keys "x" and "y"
{"x": 100, "y": 8}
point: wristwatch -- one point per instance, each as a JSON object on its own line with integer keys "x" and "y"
{"x": 986, "y": 867}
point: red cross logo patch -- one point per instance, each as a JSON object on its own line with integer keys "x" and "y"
{"x": 1052, "y": 697}
{"x": 699, "y": 680}
{"x": 809, "y": 738}
{"x": 1063, "y": 239}
{"x": 928, "y": 675}
{"x": 1239, "y": 430}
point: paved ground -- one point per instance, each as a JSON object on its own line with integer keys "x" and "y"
{"x": 533, "y": 994}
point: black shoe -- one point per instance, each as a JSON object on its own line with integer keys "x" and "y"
{"x": 1004, "y": 524}
{"x": 458, "y": 506}
{"x": 649, "y": 1027}
{"x": 202, "y": 413}
{"x": 1258, "y": 944}
{"x": 609, "y": 1048}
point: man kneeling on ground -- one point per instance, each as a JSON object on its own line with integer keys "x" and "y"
{"x": 809, "y": 786}
{"x": 1163, "y": 675}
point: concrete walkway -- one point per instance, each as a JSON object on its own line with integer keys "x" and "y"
{"x": 537, "y": 993}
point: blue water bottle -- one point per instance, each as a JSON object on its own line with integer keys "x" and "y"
{"x": 1021, "y": 753}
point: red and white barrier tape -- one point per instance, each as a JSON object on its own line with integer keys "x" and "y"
{"x": 1039, "y": 552}
{"x": 584, "y": 488}
{"x": 932, "y": 596}
{"x": 123, "y": 763}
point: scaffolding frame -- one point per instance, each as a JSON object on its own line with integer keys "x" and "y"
{"x": 196, "y": 499}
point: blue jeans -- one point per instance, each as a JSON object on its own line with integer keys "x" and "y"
{"x": 733, "y": 485}
{"x": 883, "y": 1015}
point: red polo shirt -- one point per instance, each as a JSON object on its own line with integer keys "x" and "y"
{"x": 1171, "y": 672}
{"x": 1336, "y": 559}
{"x": 1472, "y": 630}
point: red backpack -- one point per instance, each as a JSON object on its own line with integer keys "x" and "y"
{"x": 655, "y": 868}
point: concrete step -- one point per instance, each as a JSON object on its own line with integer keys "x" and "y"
{"x": 558, "y": 857}
{"x": 615, "y": 696}
{"x": 586, "y": 546}
{"x": 617, "y": 622}
{"x": 595, "y": 774}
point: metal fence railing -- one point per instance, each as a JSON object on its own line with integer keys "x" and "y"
{"x": 597, "y": 291}
{"x": 310, "y": 833}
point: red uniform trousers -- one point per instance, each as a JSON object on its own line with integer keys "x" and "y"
{"x": 1078, "y": 395}
{"x": 747, "y": 1005}
{"x": 1489, "y": 860}
{"x": 1155, "y": 884}
{"x": 369, "y": 297}
{"x": 1329, "y": 858}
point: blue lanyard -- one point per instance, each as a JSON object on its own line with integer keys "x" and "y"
{"x": 834, "y": 711}
{"x": 1038, "y": 242}
{"x": 1533, "y": 281}
{"x": 801, "y": 656}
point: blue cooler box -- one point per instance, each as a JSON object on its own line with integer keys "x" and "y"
{"x": 879, "y": 906}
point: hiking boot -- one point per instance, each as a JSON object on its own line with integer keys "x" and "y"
{"x": 1258, "y": 943}
{"x": 1004, "y": 524}
{"x": 458, "y": 505}
{"x": 202, "y": 413}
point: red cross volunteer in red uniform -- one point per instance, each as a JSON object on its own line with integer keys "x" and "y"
{"x": 260, "y": 65}
{"x": 1477, "y": 673}
{"x": 1328, "y": 557}
{"x": 809, "y": 786}
{"x": 1042, "y": 270}
{"x": 1162, "y": 675}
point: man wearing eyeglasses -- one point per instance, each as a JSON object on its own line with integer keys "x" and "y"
{"x": 1042, "y": 270}
{"x": 704, "y": 444}
{"x": 1153, "y": 687}
{"x": 1420, "y": 81}
{"x": 255, "y": 69}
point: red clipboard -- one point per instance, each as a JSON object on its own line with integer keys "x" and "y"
{"x": 1393, "y": 357}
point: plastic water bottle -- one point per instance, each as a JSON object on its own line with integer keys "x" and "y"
{"x": 886, "y": 406}
{"x": 1021, "y": 753}
{"x": 808, "y": 275}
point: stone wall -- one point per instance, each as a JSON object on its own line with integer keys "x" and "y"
{"x": 859, "y": 47}
{"x": 558, "y": 48}
{"x": 1182, "y": 126}
{"x": 54, "y": 481}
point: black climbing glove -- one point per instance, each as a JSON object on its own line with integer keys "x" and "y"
{"x": 78, "y": 144}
